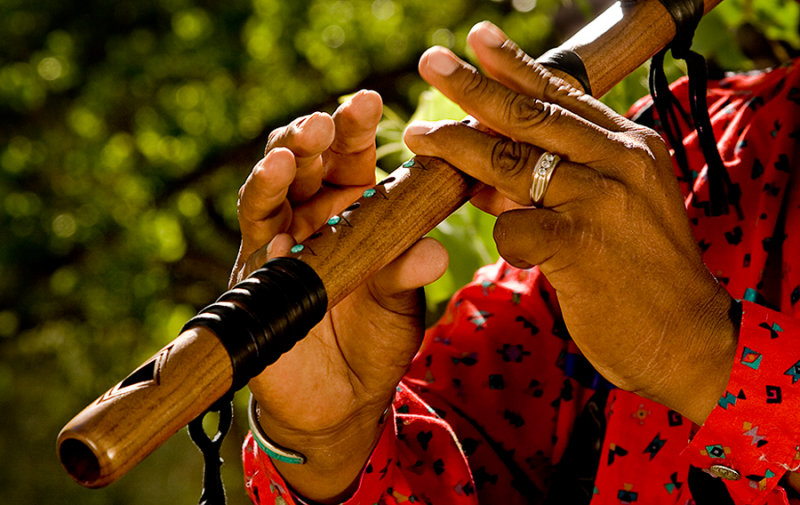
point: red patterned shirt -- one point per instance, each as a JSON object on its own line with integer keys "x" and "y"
{"x": 500, "y": 407}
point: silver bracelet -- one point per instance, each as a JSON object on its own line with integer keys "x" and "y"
{"x": 265, "y": 444}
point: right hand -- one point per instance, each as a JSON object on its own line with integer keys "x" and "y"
{"x": 326, "y": 396}
{"x": 611, "y": 235}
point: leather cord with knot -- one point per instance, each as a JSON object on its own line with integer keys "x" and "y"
{"x": 686, "y": 15}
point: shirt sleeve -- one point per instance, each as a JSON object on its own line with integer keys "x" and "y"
{"x": 751, "y": 438}
{"x": 417, "y": 458}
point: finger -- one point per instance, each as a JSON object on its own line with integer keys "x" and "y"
{"x": 499, "y": 162}
{"x": 503, "y": 60}
{"x": 527, "y": 237}
{"x": 518, "y": 116}
{"x": 492, "y": 201}
{"x": 280, "y": 245}
{"x": 307, "y": 137}
{"x": 263, "y": 209}
{"x": 351, "y": 157}
{"x": 474, "y": 123}
{"x": 420, "y": 265}
{"x": 310, "y": 216}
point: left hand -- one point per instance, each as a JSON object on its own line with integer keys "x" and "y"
{"x": 612, "y": 237}
{"x": 326, "y": 396}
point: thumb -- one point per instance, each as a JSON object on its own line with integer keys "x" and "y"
{"x": 421, "y": 264}
{"x": 527, "y": 237}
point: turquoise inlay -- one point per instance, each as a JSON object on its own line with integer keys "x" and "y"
{"x": 750, "y": 295}
{"x": 769, "y": 474}
{"x": 369, "y": 193}
{"x": 334, "y": 221}
{"x": 408, "y": 164}
{"x": 670, "y": 487}
{"x": 775, "y": 327}
{"x": 296, "y": 249}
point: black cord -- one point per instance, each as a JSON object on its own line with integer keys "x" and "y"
{"x": 257, "y": 321}
{"x": 687, "y": 14}
{"x": 663, "y": 99}
{"x": 213, "y": 490}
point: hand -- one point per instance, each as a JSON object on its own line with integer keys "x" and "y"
{"x": 325, "y": 397}
{"x": 612, "y": 237}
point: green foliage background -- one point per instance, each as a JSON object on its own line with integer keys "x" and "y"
{"x": 126, "y": 129}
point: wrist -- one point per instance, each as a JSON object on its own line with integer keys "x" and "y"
{"x": 703, "y": 364}
{"x": 324, "y": 464}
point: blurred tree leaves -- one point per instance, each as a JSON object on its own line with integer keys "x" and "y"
{"x": 126, "y": 129}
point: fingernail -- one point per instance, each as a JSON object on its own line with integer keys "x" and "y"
{"x": 488, "y": 34}
{"x": 419, "y": 128}
{"x": 441, "y": 61}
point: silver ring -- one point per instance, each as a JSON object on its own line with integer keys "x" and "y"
{"x": 541, "y": 175}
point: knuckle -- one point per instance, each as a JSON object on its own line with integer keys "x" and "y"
{"x": 555, "y": 89}
{"x": 552, "y": 88}
{"x": 524, "y": 65}
{"x": 655, "y": 143}
{"x": 273, "y": 135}
{"x": 275, "y": 139}
{"x": 520, "y": 57}
{"x": 647, "y": 139}
{"x": 539, "y": 77}
{"x": 475, "y": 84}
{"x": 510, "y": 158}
{"x": 641, "y": 155}
{"x": 528, "y": 112}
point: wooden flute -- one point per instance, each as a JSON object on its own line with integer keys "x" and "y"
{"x": 180, "y": 382}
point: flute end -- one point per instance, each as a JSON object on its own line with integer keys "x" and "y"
{"x": 79, "y": 461}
